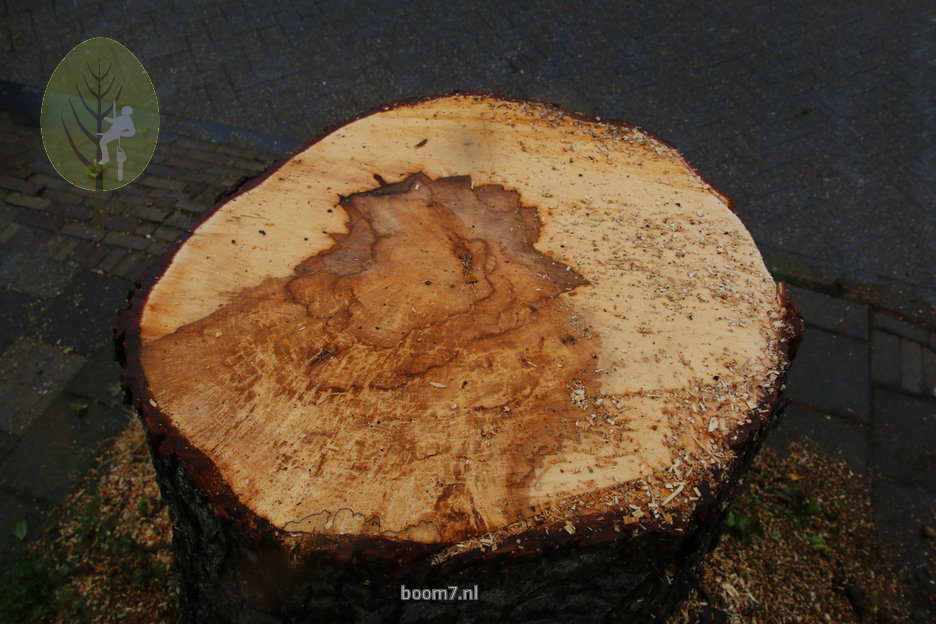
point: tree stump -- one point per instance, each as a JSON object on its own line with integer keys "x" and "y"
{"x": 460, "y": 342}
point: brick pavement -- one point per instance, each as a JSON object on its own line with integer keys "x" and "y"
{"x": 816, "y": 119}
{"x": 67, "y": 261}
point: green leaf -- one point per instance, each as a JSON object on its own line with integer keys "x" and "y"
{"x": 79, "y": 407}
{"x": 19, "y": 528}
{"x": 818, "y": 543}
{"x": 69, "y": 349}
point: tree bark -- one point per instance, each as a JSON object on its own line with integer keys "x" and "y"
{"x": 458, "y": 342}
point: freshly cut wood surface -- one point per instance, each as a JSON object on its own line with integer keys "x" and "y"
{"x": 463, "y": 318}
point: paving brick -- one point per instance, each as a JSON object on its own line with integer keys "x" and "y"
{"x": 127, "y": 241}
{"x": 837, "y": 315}
{"x": 189, "y": 205}
{"x": 60, "y": 248}
{"x": 165, "y": 197}
{"x": 163, "y": 171}
{"x": 65, "y": 196}
{"x": 71, "y": 211}
{"x": 157, "y": 248}
{"x": 59, "y": 447}
{"x": 889, "y": 323}
{"x": 31, "y": 375}
{"x": 27, "y": 201}
{"x": 130, "y": 266}
{"x": 38, "y": 219}
{"x": 161, "y": 183}
{"x": 88, "y": 254}
{"x": 16, "y": 184}
{"x": 149, "y": 213}
{"x": 145, "y": 230}
{"x": 830, "y": 373}
{"x": 195, "y": 188}
{"x": 903, "y": 447}
{"x": 239, "y": 152}
{"x": 179, "y": 220}
{"x": 121, "y": 223}
{"x": 81, "y": 230}
{"x": 110, "y": 261}
{"x": 43, "y": 181}
{"x": 911, "y": 366}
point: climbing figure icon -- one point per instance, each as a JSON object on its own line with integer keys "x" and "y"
{"x": 121, "y": 126}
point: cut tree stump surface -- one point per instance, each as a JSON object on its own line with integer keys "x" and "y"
{"x": 462, "y": 324}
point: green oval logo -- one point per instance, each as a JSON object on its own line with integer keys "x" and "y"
{"x": 100, "y": 117}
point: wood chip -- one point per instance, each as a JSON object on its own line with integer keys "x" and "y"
{"x": 673, "y": 495}
{"x": 436, "y": 384}
{"x": 703, "y": 447}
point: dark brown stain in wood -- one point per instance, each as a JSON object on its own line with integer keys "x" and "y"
{"x": 417, "y": 317}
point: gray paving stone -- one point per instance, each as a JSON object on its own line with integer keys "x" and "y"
{"x": 830, "y": 373}
{"x": 903, "y": 446}
{"x": 889, "y": 323}
{"x": 833, "y": 435}
{"x": 59, "y": 447}
{"x": 81, "y": 317}
{"x": 911, "y": 366}
{"x": 837, "y": 315}
{"x": 99, "y": 380}
{"x": 885, "y": 358}
{"x": 33, "y": 274}
{"x": 900, "y": 513}
{"x": 18, "y": 313}
{"x": 32, "y": 374}
{"x": 13, "y": 507}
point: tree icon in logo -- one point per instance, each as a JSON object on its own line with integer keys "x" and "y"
{"x": 100, "y": 116}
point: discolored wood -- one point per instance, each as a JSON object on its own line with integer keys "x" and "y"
{"x": 459, "y": 335}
